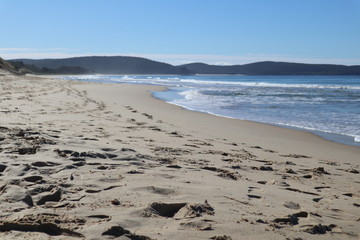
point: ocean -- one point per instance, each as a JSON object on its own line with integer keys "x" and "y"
{"x": 328, "y": 106}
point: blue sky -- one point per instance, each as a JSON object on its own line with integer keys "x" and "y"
{"x": 182, "y": 31}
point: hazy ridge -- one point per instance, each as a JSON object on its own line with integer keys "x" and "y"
{"x": 136, "y": 65}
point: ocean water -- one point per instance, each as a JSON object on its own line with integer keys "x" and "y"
{"x": 325, "y": 105}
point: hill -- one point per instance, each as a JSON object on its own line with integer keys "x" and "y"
{"x": 30, "y": 68}
{"x": 136, "y": 65}
{"x": 110, "y": 65}
{"x": 6, "y": 67}
{"x": 274, "y": 68}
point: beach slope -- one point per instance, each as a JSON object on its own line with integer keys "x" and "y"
{"x": 86, "y": 160}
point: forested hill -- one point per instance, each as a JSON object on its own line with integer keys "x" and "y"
{"x": 7, "y": 67}
{"x": 136, "y": 65}
{"x": 274, "y": 68}
{"x": 110, "y": 65}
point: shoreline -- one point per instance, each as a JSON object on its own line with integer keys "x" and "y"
{"x": 249, "y": 124}
{"x": 328, "y": 136}
{"x": 101, "y": 160}
{"x": 333, "y": 137}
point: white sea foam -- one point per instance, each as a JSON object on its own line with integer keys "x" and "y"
{"x": 176, "y": 80}
{"x": 263, "y": 84}
{"x": 190, "y": 94}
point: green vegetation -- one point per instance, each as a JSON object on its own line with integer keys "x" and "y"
{"x": 31, "y": 68}
{"x": 6, "y": 66}
{"x": 274, "y": 68}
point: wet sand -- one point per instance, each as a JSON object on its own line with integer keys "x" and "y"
{"x": 99, "y": 161}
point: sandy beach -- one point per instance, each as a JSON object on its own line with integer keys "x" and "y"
{"x": 83, "y": 160}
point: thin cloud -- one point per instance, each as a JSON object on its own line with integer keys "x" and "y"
{"x": 16, "y": 49}
{"x": 29, "y": 50}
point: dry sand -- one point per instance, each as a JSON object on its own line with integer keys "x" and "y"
{"x": 100, "y": 161}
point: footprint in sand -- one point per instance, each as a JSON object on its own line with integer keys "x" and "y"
{"x": 2, "y": 167}
{"x": 178, "y": 210}
{"x": 50, "y": 224}
{"x": 292, "y": 219}
{"x": 118, "y": 231}
{"x": 147, "y": 115}
{"x": 251, "y": 196}
{"x": 33, "y": 179}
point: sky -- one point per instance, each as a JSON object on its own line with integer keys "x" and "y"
{"x": 222, "y": 32}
